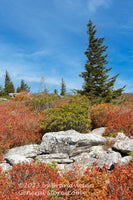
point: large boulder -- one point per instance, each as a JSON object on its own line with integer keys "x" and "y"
{"x": 70, "y": 142}
{"x": 123, "y": 143}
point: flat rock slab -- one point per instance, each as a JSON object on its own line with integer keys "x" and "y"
{"x": 15, "y": 159}
{"x": 28, "y": 151}
{"x": 45, "y": 159}
{"x": 54, "y": 156}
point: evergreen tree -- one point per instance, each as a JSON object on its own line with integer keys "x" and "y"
{"x": 63, "y": 88}
{"x": 9, "y": 87}
{"x": 97, "y": 84}
{"x": 55, "y": 91}
{"x": 23, "y": 87}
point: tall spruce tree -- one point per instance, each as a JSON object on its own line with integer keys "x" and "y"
{"x": 63, "y": 87}
{"x": 9, "y": 87}
{"x": 97, "y": 84}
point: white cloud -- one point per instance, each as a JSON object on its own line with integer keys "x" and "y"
{"x": 93, "y": 5}
{"x": 36, "y": 54}
{"x": 37, "y": 79}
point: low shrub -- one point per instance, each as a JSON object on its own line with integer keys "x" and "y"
{"x": 23, "y": 96}
{"x": 72, "y": 115}
{"x": 43, "y": 101}
{"x": 38, "y": 180}
{"x": 90, "y": 185}
{"x": 18, "y": 126}
{"x": 29, "y": 181}
{"x": 115, "y": 118}
{"x": 99, "y": 114}
{"x": 120, "y": 185}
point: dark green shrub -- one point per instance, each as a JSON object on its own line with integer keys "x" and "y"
{"x": 43, "y": 101}
{"x": 72, "y": 115}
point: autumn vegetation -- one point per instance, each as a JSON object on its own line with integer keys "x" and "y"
{"x": 27, "y": 117}
{"x": 22, "y": 121}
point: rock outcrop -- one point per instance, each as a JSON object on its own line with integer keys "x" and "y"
{"x": 69, "y": 148}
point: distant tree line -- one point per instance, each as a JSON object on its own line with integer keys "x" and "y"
{"x": 9, "y": 87}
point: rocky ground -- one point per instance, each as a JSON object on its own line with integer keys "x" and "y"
{"x": 69, "y": 148}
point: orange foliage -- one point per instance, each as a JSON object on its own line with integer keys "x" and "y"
{"x": 115, "y": 118}
{"x": 89, "y": 185}
{"x": 121, "y": 182}
{"x": 18, "y": 126}
{"x": 22, "y": 96}
{"x": 28, "y": 181}
{"x": 36, "y": 181}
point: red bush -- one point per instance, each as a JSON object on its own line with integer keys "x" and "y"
{"x": 22, "y": 96}
{"x": 39, "y": 181}
{"x": 115, "y": 118}
{"x": 120, "y": 185}
{"x": 89, "y": 185}
{"x": 29, "y": 181}
{"x": 18, "y": 126}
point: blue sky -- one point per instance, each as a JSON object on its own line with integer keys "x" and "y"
{"x": 41, "y": 38}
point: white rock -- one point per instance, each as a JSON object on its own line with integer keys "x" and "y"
{"x": 57, "y": 157}
{"x": 99, "y": 131}
{"x": 125, "y": 159}
{"x": 5, "y": 166}
{"x": 98, "y": 155}
{"x": 54, "y": 156}
{"x": 123, "y": 143}
{"x": 70, "y": 142}
{"x": 71, "y": 148}
{"x": 15, "y": 159}
{"x": 28, "y": 151}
